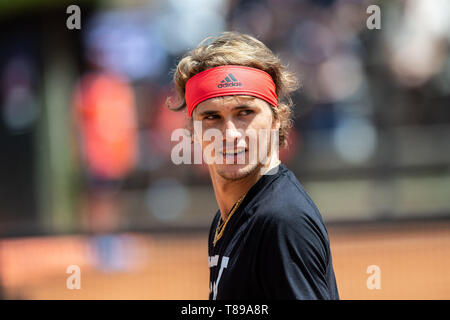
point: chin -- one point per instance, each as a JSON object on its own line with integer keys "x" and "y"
{"x": 236, "y": 171}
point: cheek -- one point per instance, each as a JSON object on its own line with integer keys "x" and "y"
{"x": 211, "y": 144}
{"x": 261, "y": 122}
{"x": 259, "y": 131}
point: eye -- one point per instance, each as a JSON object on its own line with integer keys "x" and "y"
{"x": 245, "y": 112}
{"x": 211, "y": 117}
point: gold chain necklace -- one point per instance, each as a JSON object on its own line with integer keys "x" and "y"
{"x": 220, "y": 226}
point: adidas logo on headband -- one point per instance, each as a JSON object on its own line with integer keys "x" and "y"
{"x": 208, "y": 84}
{"x": 229, "y": 81}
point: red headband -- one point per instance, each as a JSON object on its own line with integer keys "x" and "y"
{"x": 229, "y": 81}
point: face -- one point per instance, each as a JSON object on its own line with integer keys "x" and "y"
{"x": 240, "y": 127}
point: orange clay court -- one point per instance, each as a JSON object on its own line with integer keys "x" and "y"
{"x": 414, "y": 259}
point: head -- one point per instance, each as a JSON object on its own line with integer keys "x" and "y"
{"x": 237, "y": 117}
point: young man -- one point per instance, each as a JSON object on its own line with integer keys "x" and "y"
{"x": 268, "y": 240}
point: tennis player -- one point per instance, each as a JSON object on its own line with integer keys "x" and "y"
{"x": 268, "y": 239}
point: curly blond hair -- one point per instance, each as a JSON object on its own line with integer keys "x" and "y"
{"x": 232, "y": 48}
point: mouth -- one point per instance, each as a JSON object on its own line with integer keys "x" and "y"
{"x": 231, "y": 157}
{"x": 231, "y": 153}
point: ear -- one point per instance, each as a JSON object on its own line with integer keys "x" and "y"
{"x": 276, "y": 124}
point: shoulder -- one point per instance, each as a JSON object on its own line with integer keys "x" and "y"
{"x": 286, "y": 212}
{"x": 285, "y": 201}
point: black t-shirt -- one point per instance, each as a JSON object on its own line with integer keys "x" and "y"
{"x": 275, "y": 246}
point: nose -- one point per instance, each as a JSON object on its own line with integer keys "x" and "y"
{"x": 232, "y": 133}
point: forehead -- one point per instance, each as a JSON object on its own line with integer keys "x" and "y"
{"x": 229, "y": 102}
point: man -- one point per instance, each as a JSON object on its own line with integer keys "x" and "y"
{"x": 268, "y": 240}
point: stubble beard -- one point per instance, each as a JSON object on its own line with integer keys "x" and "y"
{"x": 238, "y": 174}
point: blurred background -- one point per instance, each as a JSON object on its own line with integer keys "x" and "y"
{"x": 85, "y": 172}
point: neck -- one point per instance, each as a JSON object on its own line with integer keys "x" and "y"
{"x": 228, "y": 192}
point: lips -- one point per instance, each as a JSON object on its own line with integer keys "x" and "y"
{"x": 234, "y": 152}
{"x": 231, "y": 157}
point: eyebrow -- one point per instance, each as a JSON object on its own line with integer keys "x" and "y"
{"x": 213, "y": 112}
